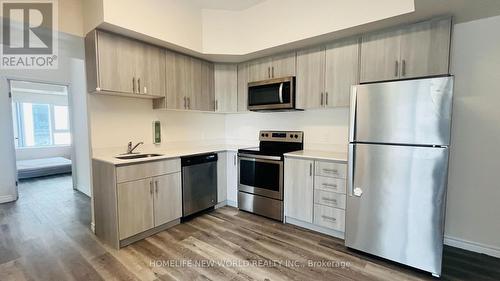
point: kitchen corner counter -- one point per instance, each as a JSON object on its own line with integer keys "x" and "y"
{"x": 319, "y": 155}
{"x": 165, "y": 154}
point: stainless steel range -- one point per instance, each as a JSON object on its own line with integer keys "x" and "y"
{"x": 260, "y": 173}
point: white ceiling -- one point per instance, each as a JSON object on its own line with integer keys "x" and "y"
{"x": 229, "y": 5}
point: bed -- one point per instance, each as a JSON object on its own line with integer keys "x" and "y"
{"x": 43, "y": 167}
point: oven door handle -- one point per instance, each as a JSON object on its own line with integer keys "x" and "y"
{"x": 263, "y": 157}
{"x": 281, "y": 92}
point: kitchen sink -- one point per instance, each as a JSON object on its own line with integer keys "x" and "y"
{"x": 137, "y": 156}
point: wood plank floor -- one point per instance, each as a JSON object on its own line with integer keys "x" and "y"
{"x": 45, "y": 236}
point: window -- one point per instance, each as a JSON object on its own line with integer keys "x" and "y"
{"x": 38, "y": 125}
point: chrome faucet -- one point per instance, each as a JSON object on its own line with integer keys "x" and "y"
{"x": 130, "y": 148}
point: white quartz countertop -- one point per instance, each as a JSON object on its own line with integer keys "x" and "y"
{"x": 319, "y": 155}
{"x": 166, "y": 153}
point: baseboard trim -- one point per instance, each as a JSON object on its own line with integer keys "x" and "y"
{"x": 472, "y": 246}
{"x": 232, "y": 203}
{"x": 7, "y": 198}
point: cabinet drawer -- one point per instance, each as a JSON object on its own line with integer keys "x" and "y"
{"x": 329, "y": 184}
{"x": 147, "y": 170}
{"x": 329, "y": 217}
{"x": 331, "y": 199}
{"x": 330, "y": 169}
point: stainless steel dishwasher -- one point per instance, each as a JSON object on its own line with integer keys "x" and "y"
{"x": 199, "y": 183}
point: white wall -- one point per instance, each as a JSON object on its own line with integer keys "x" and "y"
{"x": 473, "y": 207}
{"x": 116, "y": 120}
{"x": 174, "y": 21}
{"x": 277, "y": 22}
{"x": 324, "y": 129}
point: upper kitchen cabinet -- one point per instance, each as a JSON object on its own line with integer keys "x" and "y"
{"x": 190, "y": 83}
{"x": 121, "y": 66}
{"x": 325, "y": 74}
{"x": 278, "y": 66}
{"x": 310, "y": 80}
{"x": 425, "y": 48}
{"x": 226, "y": 88}
{"x": 341, "y": 71}
{"x": 417, "y": 50}
{"x": 242, "y": 87}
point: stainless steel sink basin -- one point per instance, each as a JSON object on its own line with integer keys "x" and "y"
{"x": 137, "y": 156}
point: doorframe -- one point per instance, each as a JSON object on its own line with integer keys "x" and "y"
{"x": 70, "y": 118}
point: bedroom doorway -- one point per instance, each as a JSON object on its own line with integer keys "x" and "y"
{"x": 42, "y": 138}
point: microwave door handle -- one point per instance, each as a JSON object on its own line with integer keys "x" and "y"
{"x": 281, "y": 92}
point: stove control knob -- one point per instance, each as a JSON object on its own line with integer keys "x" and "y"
{"x": 262, "y": 135}
{"x": 296, "y": 136}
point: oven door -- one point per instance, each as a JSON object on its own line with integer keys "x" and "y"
{"x": 272, "y": 94}
{"x": 261, "y": 175}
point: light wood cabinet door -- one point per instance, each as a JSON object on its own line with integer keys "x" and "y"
{"x": 178, "y": 73}
{"x": 226, "y": 87}
{"x": 259, "y": 69}
{"x": 380, "y": 56}
{"x": 205, "y": 99}
{"x": 425, "y": 48}
{"x": 167, "y": 198}
{"x": 283, "y": 65}
{"x": 310, "y": 79}
{"x": 221, "y": 177}
{"x": 341, "y": 71}
{"x": 242, "y": 87}
{"x": 135, "y": 207}
{"x": 117, "y": 60}
{"x": 150, "y": 72}
{"x": 232, "y": 178}
{"x": 194, "y": 97}
{"x": 298, "y": 189}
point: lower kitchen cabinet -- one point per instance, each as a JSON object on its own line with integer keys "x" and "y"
{"x": 299, "y": 192}
{"x": 315, "y": 196}
{"x": 221, "y": 177}
{"x": 167, "y": 198}
{"x": 134, "y": 201}
{"x": 232, "y": 178}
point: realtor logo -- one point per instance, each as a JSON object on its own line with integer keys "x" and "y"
{"x": 29, "y": 35}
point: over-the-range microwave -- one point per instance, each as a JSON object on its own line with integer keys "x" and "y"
{"x": 272, "y": 94}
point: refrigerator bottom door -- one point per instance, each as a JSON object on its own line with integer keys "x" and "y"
{"x": 396, "y": 203}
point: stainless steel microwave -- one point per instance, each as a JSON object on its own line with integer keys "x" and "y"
{"x": 273, "y": 94}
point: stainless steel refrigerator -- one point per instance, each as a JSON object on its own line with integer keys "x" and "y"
{"x": 398, "y": 169}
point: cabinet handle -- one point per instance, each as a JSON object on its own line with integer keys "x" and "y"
{"x": 333, "y": 171}
{"x": 403, "y": 68}
{"x": 234, "y": 157}
{"x": 216, "y": 105}
{"x": 139, "y": 85}
{"x": 329, "y": 199}
{"x": 133, "y": 85}
{"x": 326, "y": 98}
{"x": 185, "y": 104}
{"x": 156, "y": 187}
{"x": 272, "y": 72}
{"x": 268, "y": 72}
{"x": 321, "y": 99}
{"x": 396, "y": 69}
{"x": 151, "y": 187}
{"x": 189, "y": 103}
{"x": 329, "y": 218}
{"x": 310, "y": 169}
{"x": 330, "y": 185}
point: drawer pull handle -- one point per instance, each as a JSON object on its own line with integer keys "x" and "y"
{"x": 330, "y": 185}
{"x": 329, "y": 218}
{"x": 329, "y": 199}
{"x": 333, "y": 171}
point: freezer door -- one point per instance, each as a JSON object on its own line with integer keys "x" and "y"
{"x": 403, "y": 112}
{"x": 396, "y": 203}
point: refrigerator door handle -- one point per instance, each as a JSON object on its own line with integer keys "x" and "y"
{"x": 352, "y": 113}
{"x": 350, "y": 170}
